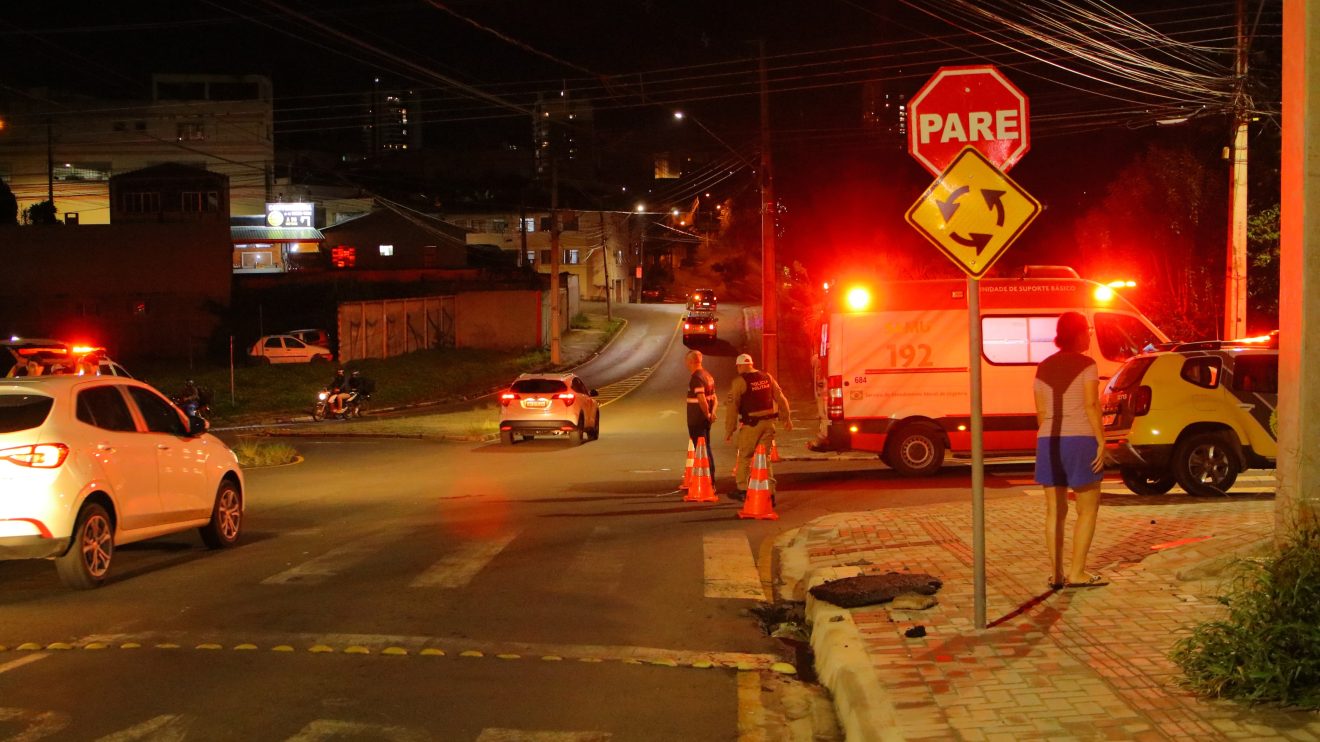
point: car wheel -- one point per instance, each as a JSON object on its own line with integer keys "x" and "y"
{"x": 595, "y": 429}
{"x": 580, "y": 433}
{"x": 226, "y": 518}
{"x": 317, "y": 360}
{"x": 87, "y": 561}
{"x": 506, "y": 437}
{"x": 1205, "y": 464}
{"x": 916, "y": 450}
{"x": 1147, "y": 483}
{"x": 263, "y": 360}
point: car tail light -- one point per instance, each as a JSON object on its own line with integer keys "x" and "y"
{"x": 687, "y": 326}
{"x": 43, "y": 456}
{"x": 834, "y": 402}
{"x": 710, "y": 327}
{"x": 567, "y": 398}
{"x": 507, "y": 398}
{"x": 1140, "y": 400}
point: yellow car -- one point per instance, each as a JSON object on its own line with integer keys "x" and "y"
{"x": 1195, "y": 415}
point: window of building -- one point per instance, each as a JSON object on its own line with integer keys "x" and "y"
{"x": 258, "y": 259}
{"x": 191, "y": 200}
{"x": 190, "y": 131}
{"x": 571, "y": 256}
{"x": 82, "y": 171}
{"x": 1018, "y": 340}
{"x": 531, "y": 257}
{"x": 546, "y": 224}
{"x": 529, "y": 224}
{"x": 545, "y": 256}
{"x": 430, "y": 256}
{"x": 386, "y": 250}
{"x": 141, "y": 202}
{"x": 499, "y": 225}
{"x": 212, "y": 201}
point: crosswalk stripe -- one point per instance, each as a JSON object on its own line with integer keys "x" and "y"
{"x": 730, "y": 568}
{"x": 494, "y": 734}
{"x": 457, "y": 569}
{"x": 596, "y": 565}
{"x": 327, "y": 565}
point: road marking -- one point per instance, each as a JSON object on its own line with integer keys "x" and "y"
{"x": 492, "y": 734}
{"x": 457, "y": 569}
{"x": 597, "y": 566}
{"x": 329, "y": 564}
{"x": 730, "y": 568}
{"x": 331, "y": 729}
{"x": 454, "y": 647}
{"x": 163, "y": 728}
{"x": 39, "y": 724}
{"x": 15, "y": 664}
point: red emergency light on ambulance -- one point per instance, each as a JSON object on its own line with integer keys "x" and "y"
{"x": 893, "y": 357}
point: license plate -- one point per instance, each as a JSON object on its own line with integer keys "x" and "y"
{"x": 1109, "y": 419}
{"x": 535, "y": 404}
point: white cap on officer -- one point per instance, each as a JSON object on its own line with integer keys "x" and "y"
{"x": 743, "y": 360}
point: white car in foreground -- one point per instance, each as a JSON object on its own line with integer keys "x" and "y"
{"x": 88, "y": 463}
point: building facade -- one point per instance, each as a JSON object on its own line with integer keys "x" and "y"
{"x": 69, "y": 147}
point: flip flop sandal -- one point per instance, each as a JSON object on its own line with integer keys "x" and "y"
{"x": 1091, "y": 581}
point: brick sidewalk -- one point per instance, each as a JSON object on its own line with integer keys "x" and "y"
{"x": 1074, "y": 664}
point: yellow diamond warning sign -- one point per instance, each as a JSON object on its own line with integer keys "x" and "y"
{"x": 973, "y": 212}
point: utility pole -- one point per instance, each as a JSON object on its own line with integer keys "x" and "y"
{"x": 1235, "y": 276}
{"x": 554, "y": 260}
{"x": 605, "y": 260}
{"x": 769, "y": 277}
{"x": 50, "y": 166}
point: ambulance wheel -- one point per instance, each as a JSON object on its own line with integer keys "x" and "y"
{"x": 916, "y": 450}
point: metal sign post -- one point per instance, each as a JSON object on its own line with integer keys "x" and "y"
{"x": 978, "y": 449}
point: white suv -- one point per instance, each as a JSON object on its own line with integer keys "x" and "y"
{"x": 90, "y": 462}
{"x": 554, "y": 404}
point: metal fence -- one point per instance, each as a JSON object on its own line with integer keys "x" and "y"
{"x": 391, "y": 327}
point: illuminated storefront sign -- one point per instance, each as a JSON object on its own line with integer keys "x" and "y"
{"x": 291, "y": 215}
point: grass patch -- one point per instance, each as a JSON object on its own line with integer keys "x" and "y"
{"x": 264, "y": 453}
{"x": 1267, "y": 649}
{"x": 580, "y": 321}
{"x": 261, "y": 392}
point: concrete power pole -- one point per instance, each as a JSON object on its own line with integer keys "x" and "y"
{"x": 1235, "y": 276}
{"x": 554, "y": 261}
{"x": 769, "y": 277}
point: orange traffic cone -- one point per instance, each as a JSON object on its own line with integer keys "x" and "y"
{"x": 758, "y": 504}
{"x": 701, "y": 489}
{"x": 687, "y": 468}
{"x": 774, "y": 452}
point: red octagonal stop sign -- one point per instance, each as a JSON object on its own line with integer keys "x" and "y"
{"x": 972, "y": 105}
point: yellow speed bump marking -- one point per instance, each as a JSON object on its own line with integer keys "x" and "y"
{"x": 281, "y": 648}
{"x": 394, "y": 651}
{"x": 28, "y": 647}
{"x": 59, "y": 645}
{"x": 784, "y": 667}
{"x": 509, "y": 656}
{"x": 703, "y": 664}
{"x": 590, "y": 659}
{"x": 130, "y": 645}
{"x": 245, "y": 647}
{"x": 321, "y": 649}
{"x": 664, "y": 662}
{"x": 631, "y": 661}
{"x": 356, "y": 650}
{"x": 167, "y": 645}
{"x": 208, "y": 645}
{"x": 432, "y": 652}
{"x": 95, "y": 645}
{"x": 553, "y": 658}
{"x": 470, "y": 653}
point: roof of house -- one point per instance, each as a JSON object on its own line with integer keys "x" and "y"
{"x": 275, "y": 234}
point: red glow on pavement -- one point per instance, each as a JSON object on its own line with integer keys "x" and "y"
{"x": 1179, "y": 542}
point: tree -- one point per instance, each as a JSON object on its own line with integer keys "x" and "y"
{"x": 1263, "y": 270}
{"x": 42, "y": 212}
{"x": 8, "y": 205}
{"x": 1161, "y": 222}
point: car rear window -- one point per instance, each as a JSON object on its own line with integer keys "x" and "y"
{"x": 538, "y": 386}
{"x": 1130, "y": 373}
{"x": 23, "y": 411}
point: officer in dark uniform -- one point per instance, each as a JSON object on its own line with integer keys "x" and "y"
{"x": 701, "y": 403}
{"x": 759, "y": 402}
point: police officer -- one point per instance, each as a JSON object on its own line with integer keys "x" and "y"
{"x": 701, "y": 403}
{"x": 759, "y": 402}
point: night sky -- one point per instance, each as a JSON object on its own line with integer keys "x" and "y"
{"x": 478, "y": 64}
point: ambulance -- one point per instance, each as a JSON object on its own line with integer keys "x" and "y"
{"x": 893, "y": 366}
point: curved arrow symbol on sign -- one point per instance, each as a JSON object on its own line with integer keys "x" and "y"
{"x": 993, "y": 200}
{"x": 949, "y": 206}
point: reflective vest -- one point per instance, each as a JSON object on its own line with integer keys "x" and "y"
{"x": 758, "y": 402}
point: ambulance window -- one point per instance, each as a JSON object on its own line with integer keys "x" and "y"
{"x": 1018, "y": 340}
{"x": 1121, "y": 336}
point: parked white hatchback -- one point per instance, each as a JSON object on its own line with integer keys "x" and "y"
{"x": 288, "y": 349}
{"x": 88, "y": 463}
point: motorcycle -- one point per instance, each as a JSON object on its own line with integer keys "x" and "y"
{"x": 195, "y": 405}
{"x": 353, "y": 405}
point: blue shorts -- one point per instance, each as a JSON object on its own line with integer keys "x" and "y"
{"x": 1066, "y": 461}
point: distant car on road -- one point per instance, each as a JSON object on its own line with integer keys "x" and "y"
{"x": 700, "y": 325}
{"x": 88, "y": 463}
{"x": 549, "y": 404}
{"x": 702, "y": 300}
{"x": 288, "y": 349}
